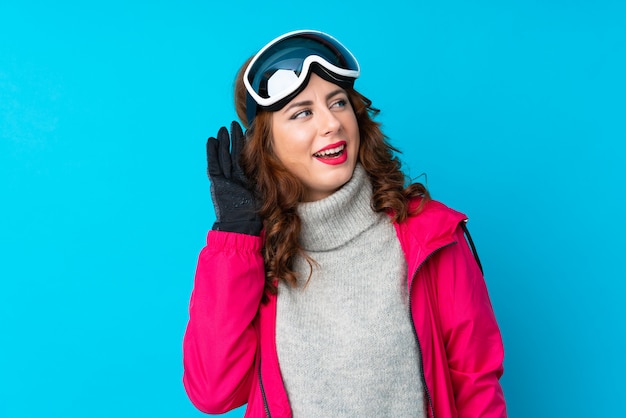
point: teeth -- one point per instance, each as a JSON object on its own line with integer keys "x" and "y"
{"x": 330, "y": 151}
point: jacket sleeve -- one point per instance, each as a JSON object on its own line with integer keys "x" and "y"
{"x": 471, "y": 335}
{"x": 220, "y": 341}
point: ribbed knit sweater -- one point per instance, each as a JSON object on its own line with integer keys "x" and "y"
{"x": 345, "y": 343}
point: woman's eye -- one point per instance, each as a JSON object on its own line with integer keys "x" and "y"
{"x": 301, "y": 114}
{"x": 339, "y": 103}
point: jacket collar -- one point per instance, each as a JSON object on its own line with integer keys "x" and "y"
{"x": 431, "y": 229}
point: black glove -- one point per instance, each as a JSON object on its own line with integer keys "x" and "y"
{"x": 232, "y": 195}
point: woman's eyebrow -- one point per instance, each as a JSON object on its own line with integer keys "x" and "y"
{"x": 334, "y": 93}
{"x": 309, "y": 102}
{"x": 297, "y": 104}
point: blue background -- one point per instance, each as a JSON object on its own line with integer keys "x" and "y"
{"x": 515, "y": 110}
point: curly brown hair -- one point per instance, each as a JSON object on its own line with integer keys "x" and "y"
{"x": 279, "y": 191}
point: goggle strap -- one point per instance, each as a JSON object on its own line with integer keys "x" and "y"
{"x": 251, "y": 108}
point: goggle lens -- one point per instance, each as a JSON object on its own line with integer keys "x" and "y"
{"x": 283, "y": 65}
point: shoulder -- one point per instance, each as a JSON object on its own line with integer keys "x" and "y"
{"x": 433, "y": 216}
{"x": 429, "y": 227}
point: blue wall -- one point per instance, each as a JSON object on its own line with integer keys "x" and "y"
{"x": 515, "y": 110}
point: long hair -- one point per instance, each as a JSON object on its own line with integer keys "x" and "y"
{"x": 279, "y": 192}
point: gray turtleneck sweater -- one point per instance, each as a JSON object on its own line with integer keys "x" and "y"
{"x": 345, "y": 343}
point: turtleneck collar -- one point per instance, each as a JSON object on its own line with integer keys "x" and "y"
{"x": 333, "y": 221}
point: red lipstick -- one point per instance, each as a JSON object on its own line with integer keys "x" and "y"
{"x": 333, "y": 154}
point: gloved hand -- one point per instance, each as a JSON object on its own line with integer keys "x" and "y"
{"x": 232, "y": 195}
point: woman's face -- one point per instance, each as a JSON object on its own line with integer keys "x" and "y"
{"x": 316, "y": 137}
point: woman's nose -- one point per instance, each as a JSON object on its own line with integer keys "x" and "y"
{"x": 329, "y": 122}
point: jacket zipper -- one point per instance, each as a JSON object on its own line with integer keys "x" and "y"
{"x": 419, "y": 346}
{"x": 265, "y": 404}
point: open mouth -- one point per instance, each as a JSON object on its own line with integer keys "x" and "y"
{"x": 331, "y": 152}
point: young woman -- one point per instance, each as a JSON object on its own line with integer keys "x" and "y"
{"x": 327, "y": 288}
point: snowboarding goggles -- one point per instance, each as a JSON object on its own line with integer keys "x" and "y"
{"x": 279, "y": 71}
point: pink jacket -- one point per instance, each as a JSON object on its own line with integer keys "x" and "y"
{"x": 229, "y": 346}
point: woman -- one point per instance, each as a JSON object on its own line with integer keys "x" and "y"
{"x": 328, "y": 288}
